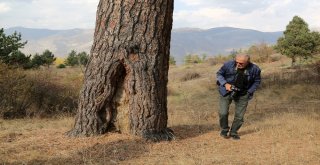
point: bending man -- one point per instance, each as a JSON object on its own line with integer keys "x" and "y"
{"x": 237, "y": 79}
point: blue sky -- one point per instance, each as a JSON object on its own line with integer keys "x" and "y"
{"x": 263, "y": 15}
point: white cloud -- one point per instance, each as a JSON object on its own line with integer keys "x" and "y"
{"x": 204, "y": 18}
{"x": 265, "y": 15}
{"x": 4, "y": 7}
{"x": 193, "y": 2}
{"x": 56, "y": 14}
{"x": 271, "y": 15}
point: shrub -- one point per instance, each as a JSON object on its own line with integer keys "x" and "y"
{"x": 172, "y": 61}
{"x": 275, "y": 57}
{"x": 49, "y": 99}
{"x": 33, "y": 93}
{"x": 294, "y": 75}
{"x": 261, "y": 52}
{"x": 60, "y": 66}
{"x": 220, "y": 59}
{"x": 193, "y": 59}
{"x": 15, "y": 92}
{"x": 190, "y": 76}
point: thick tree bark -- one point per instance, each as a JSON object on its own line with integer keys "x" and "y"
{"x": 126, "y": 78}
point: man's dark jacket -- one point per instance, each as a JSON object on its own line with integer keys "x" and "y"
{"x": 227, "y": 74}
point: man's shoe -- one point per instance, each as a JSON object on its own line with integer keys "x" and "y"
{"x": 235, "y": 137}
{"x": 224, "y": 134}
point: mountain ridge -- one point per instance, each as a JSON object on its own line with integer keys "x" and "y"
{"x": 213, "y": 41}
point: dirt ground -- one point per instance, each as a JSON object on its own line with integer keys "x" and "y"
{"x": 290, "y": 138}
{"x": 281, "y": 127}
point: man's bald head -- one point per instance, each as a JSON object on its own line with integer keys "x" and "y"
{"x": 242, "y": 60}
{"x": 243, "y": 57}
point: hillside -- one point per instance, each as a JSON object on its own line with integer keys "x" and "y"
{"x": 280, "y": 125}
{"x": 217, "y": 40}
{"x": 221, "y": 40}
{"x": 60, "y": 42}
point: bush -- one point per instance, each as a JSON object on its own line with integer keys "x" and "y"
{"x": 172, "y": 61}
{"x": 306, "y": 74}
{"x": 220, "y": 59}
{"x": 49, "y": 99}
{"x": 261, "y": 53}
{"x": 15, "y": 92}
{"x": 190, "y": 76}
{"x": 60, "y": 66}
{"x": 34, "y": 93}
{"x": 275, "y": 57}
{"x": 193, "y": 59}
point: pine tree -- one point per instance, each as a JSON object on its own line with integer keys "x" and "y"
{"x": 297, "y": 41}
{"x": 37, "y": 61}
{"x": 125, "y": 80}
{"x": 48, "y": 57}
{"x": 72, "y": 59}
{"x": 9, "y": 47}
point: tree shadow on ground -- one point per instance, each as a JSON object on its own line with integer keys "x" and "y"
{"x": 110, "y": 153}
{"x": 190, "y": 131}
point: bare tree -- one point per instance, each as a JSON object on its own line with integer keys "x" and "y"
{"x": 125, "y": 84}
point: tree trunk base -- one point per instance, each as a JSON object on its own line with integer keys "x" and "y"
{"x": 164, "y": 135}
{"x": 74, "y": 133}
{"x": 149, "y": 135}
{"x": 77, "y": 133}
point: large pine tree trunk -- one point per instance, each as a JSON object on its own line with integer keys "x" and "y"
{"x": 126, "y": 78}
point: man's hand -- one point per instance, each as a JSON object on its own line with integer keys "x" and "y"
{"x": 228, "y": 87}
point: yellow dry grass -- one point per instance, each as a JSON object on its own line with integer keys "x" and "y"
{"x": 280, "y": 128}
{"x": 281, "y": 139}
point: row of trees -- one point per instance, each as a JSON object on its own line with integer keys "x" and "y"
{"x": 189, "y": 59}
{"x": 11, "y": 55}
{"x": 75, "y": 58}
{"x": 194, "y": 59}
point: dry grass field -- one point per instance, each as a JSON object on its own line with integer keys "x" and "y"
{"x": 281, "y": 127}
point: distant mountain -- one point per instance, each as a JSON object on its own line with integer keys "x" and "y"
{"x": 221, "y": 40}
{"x": 217, "y": 40}
{"x": 60, "y": 42}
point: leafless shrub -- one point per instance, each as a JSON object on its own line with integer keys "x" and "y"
{"x": 261, "y": 52}
{"x": 49, "y": 98}
{"x": 220, "y": 59}
{"x": 301, "y": 75}
{"x": 14, "y": 91}
{"x": 190, "y": 76}
{"x": 24, "y": 95}
{"x": 274, "y": 58}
